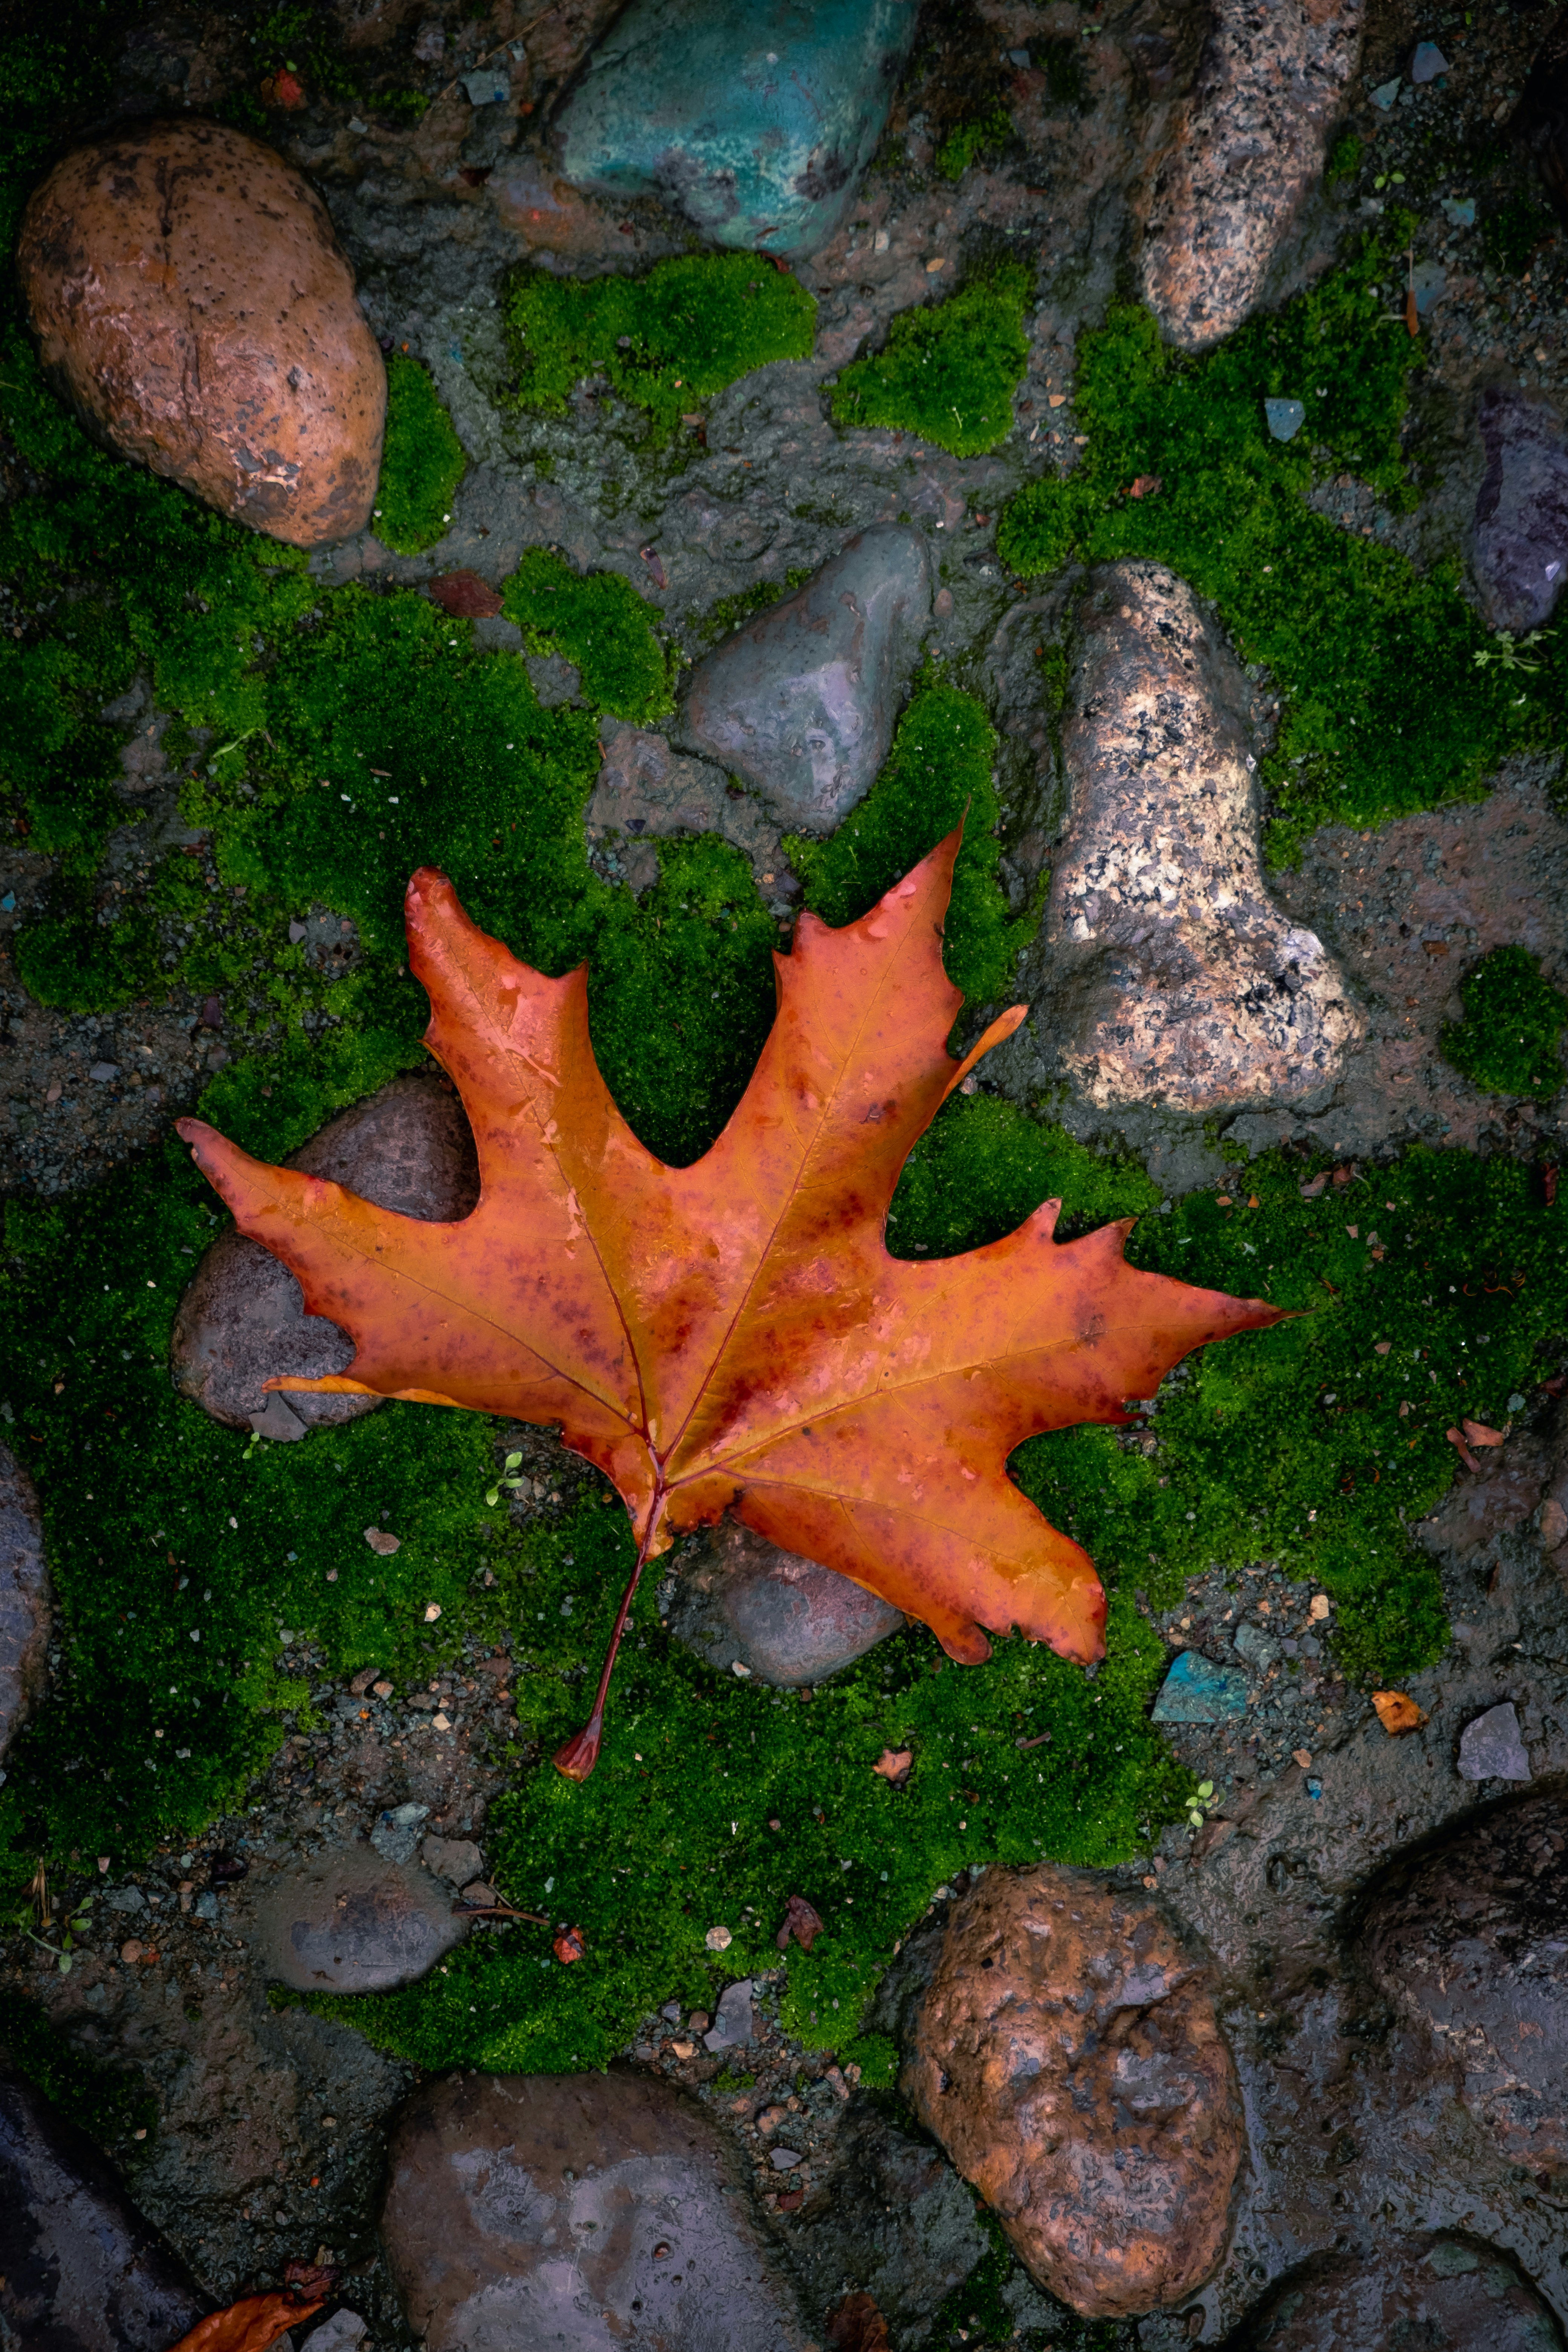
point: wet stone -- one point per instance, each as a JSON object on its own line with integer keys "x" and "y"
{"x": 734, "y": 2020}
{"x": 80, "y": 2271}
{"x": 243, "y": 1320}
{"x": 800, "y": 702}
{"x": 397, "y": 1835}
{"x": 25, "y": 1600}
{"x": 1248, "y": 151}
{"x": 1491, "y": 1747}
{"x": 1067, "y": 2055}
{"x": 1521, "y": 510}
{"x": 755, "y": 123}
{"x": 456, "y": 1860}
{"x": 241, "y": 366}
{"x": 1198, "y": 1691}
{"x": 786, "y": 1620}
{"x": 350, "y": 1921}
{"x": 1164, "y": 973}
{"x": 895, "y": 2219}
{"x": 1445, "y": 2289}
{"x": 645, "y": 788}
{"x": 1469, "y": 1941}
{"x": 595, "y": 2213}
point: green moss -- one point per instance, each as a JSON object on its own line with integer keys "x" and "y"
{"x": 1507, "y": 1040}
{"x": 947, "y": 373}
{"x": 667, "y": 343}
{"x": 877, "y": 2055}
{"x": 1513, "y": 233}
{"x": 671, "y": 1836}
{"x": 106, "y": 2102}
{"x": 422, "y": 462}
{"x": 599, "y": 622}
{"x": 1344, "y": 158}
{"x": 1383, "y": 711}
{"x": 960, "y": 148}
{"x": 937, "y": 776}
{"x": 728, "y": 613}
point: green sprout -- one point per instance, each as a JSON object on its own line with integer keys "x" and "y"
{"x": 1200, "y": 1804}
{"x": 1508, "y": 649}
{"x": 507, "y": 1479}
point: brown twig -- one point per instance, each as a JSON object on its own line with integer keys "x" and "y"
{"x": 497, "y": 1911}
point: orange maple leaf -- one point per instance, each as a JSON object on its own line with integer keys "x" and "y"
{"x": 256, "y": 2321}
{"x": 734, "y": 1335}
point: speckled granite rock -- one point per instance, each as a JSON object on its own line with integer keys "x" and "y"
{"x": 754, "y": 123}
{"x": 1249, "y": 147}
{"x": 800, "y": 702}
{"x": 595, "y": 2212}
{"x": 786, "y": 1620}
{"x": 351, "y": 1921}
{"x": 1067, "y": 2055}
{"x": 1521, "y": 510}
{"x": 1469, "y": 1941}
{"x": 25, "y": 1600}
{"x": 80, "y": 2271}
{"x": 192, "y": 303}
{"x": 1164, "y": 972}
{"x": 1445, "y": 2289}
{"x": 243, "y": 1320}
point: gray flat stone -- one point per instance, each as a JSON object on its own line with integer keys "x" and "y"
{"x": 25, "y": 1600}
{"x": 755, "y": 122}
{"x": 800, "y": 702}
{"x": 585, "y": 2212}
{"x": 788, "y": 1621}
{"x": 243, "y": 1321}
{"x": 1491, "y": 1747}
{"x": 456, "y": 1860}
{"x": 1521, "y": 510}
{"x": 734, "y": 2020}
{"x": 1164, "y": 973}
{"x": 350, "y": 1921}
{"x": 80, "y": 2271}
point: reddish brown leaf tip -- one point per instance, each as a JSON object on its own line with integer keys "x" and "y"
{"x": 801, "y": 1922}
{"x": 577, "y": 1759}
{"x": 569, "y": 1947}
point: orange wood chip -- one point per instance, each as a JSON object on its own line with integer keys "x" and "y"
{"x": 1396, "y": 1712}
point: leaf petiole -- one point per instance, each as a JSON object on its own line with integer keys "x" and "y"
{"x": 577, "y": 1759}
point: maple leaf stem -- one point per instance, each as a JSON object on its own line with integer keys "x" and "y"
{"x": 577, "y": 1759}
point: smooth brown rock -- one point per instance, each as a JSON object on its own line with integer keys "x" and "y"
{"x": 587, "y": 2213}
{"x": 1164, "y": 973}
{"x": 243, "y": 1319}
{"x": 351, "y": 1921}
{"x": 192, "y": 303}
{"x": 1250, "y": 149}
{"x": 786, "y": 1619}
{"x": 1469, "y": 1941}
{"x": 1447, "y": 2291}
{"x": 1067, "y": 2055}
{"x": 25, "y": 1599}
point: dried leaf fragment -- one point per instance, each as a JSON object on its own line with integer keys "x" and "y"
{"x": 569, "y": 1945}
{"x": 1479, "y": 1435}
{"x": 1456, "y": 1438}
{"x": 255, "y": 2323}
{"x": 1398, "y": 1714}
{"x": 856, "y": 2324}
{"x": 801, "y": 1922}
{"x": 893, "y": 1764}
{"x": 463, "y": 595}
{"x": 1146, "y": 486}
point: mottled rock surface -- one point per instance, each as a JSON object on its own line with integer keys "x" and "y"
{"x": 784, "y": 1619}
{"x": 646, "y": 788}
{"x": 1491, "y": 1747}
{"x": 1521, "y": 510}
{"x": 192, "y": 303}
{"x": 351, "y": 1921}
{"x": 1250, "y": 148}
{"x": 25, "y": 1599}
{"x": 800, "y": 702}
{"x": 80, "y": 2271}
{"x": 756, "y": 124}
{"x": 1447, "y": 2291}
{"x": 1067, "y": 2055}
{"x": 583, "y": 2211}
{"x": 1469, "y": 1941}
{"x": 1165, "y": 972}
{"x": 243, "y": 1319}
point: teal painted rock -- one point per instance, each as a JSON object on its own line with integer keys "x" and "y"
{"x": 1198, "y": 1691}
{"x": 755, "y": 122}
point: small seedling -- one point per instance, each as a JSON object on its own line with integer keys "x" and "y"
{"x": 507, "y": 1479}
{"x": 1201, "y": 1805}
{"x": 1507, "y": 650}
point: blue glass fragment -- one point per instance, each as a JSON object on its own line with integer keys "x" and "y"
{"x": 1198, "y": 1691}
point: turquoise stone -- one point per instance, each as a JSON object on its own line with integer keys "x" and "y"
{"x": 1198, "y": 1691}
{"x": 755, "y": 122}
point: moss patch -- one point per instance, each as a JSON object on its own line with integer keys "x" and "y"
{"x": 948, "y": 372}
{"x": 667, "y": 343}
{"x": 422, "y": 462}
{"x": 969, "y": 139}
{"x": 600, "y": 623}
{"x": 1383, "y": 711}
{"x": 1507, "y": 1040}
{"x": 937, "y": 775}
{"x": 107, "y": 2103}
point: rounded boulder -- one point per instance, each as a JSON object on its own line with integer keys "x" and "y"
{"x": 193, "y": 305}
